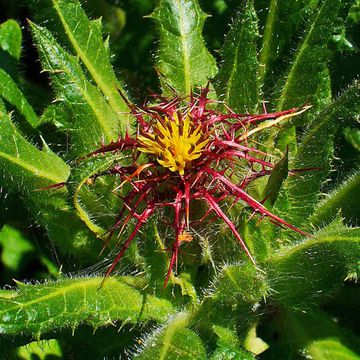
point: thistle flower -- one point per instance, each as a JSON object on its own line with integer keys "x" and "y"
{"x": 185, "y": 152}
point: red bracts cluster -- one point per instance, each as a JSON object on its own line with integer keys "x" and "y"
{"x": 184, "y": 152}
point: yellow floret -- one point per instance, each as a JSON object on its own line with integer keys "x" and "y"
{"x": 175, "y": 142}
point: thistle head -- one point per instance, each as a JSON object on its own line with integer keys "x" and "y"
{"x": 191, "y": 151}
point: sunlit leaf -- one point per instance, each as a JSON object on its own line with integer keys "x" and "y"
{"x": 172, "y": 341}
{"x": 10, "y": 46}
{"x": 38, "y": 309}
{"x": 344, "y": 199}
{"x": 87, "y": 40}
{"x": 15, "y": 246}
{"x": 314, "y": 267}
{"x": 302, "y": 190}
{"x": 183, "y": 60}
{"x": 92, "y": 118}
{"x": 237, "y": 81}
{"x": 11, "y": 93}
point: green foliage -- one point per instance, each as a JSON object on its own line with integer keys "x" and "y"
{"x": 343, "y": 198}
{"x": 303, "y": 190}
{"x": 317, "y": 334}
{"x": 92, "y": 118}
{"x": 173, "y": 341}
{"x": 37, "y": 309}
{"x": 183, "y": 60}
{"x": 321, "y": 263}
{"x": 307, "y": 80}
{"x": 10, "y": 92}
{"x": 79, "y": 176}
{"x": 27, "y": 167}
{"x": 237, "y": 81}
{"x": 10, "y": 46}
{"x": 87, "y": 41}
{"x": 218, "y": 305}
{"x": 281, "y": 25}
{"x": 14, "y": 247}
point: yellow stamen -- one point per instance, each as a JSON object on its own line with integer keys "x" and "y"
{"x": 175, "y": 142}
{"x": 185, "y": 237}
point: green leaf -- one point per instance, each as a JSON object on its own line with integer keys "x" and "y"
{"x": 344, "y": 198}
{"x": 237, "y": 81}
{"x": 236, "y": 292}
{"x": 15, "y": 246}
{"x": 316, "y": 335}
{"x": 228, "y": 346}
{"x": 183, "y": 60}
{"x": 226, "y": 336}
{"x": 10, "y": 38}
{"x": 330, "y": 349}
{"x": 307, "y": 80}
{"x": 57, "y": 114}
{"x": 88, "y": 44}
{"x": 38, "y": 309}
{"x": 225, "y": 353}
{"x": 283, "y": 20}
{"x": 233, "y": 284}
{"x": 353, "y": 137}
{"x": 80, "y": 174}
{"x": 173, "y": 341}
{"x": 10, "y": 46}
{"x": 24, "y": 165}
{"x": 26, "y": 169}
{"x": 93, "y": 119}
{"x": 11, "y": 93}
{"x": 276, "y": 178}
{"x": 312, "y": 268}
{"x": 40, "y": 350}
{"x": 301, "y": 191}
{"x": 152, "y": 249}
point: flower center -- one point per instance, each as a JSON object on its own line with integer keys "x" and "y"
{"x": 175, "y": 142}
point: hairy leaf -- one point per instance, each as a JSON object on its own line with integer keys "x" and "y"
{"x": 237, "y": 81}
{"x": 93, "y": 119}
{"x": 183, "y": 60}
{"x": 173, "y": 341}
{"x": 80, "y": 174}
{"x": 152, "y": 248}
{"x": 228, "y": 346}
{"x": 11, "y": 93}
{"x": 227, "y": 353}
{"x": 282, "y": 22}
{"x": 27, "y": 169}
{"x": 302, "y": 190}
{"x": 22, "y": 161}
{"x": 312, "y": 268}
{"x": 344, "y": 198}
{"x": 236, "y": 292}
{"x": 38, "y": 309}
{"x": 88, "y": 44}
{"x": 307, "y": 80}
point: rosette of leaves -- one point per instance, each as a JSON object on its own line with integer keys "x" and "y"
{"x": 220, "y": 306}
